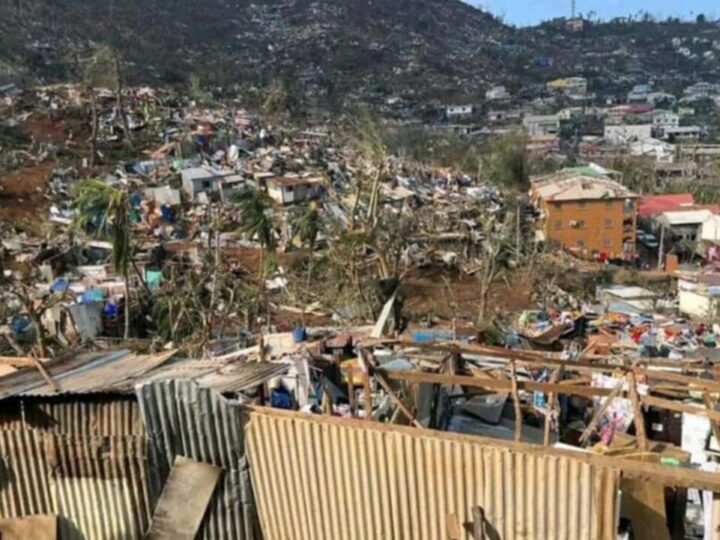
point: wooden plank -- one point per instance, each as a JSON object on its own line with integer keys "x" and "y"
{"x": 676, "y": 406}
{"x": 409, "y": 415}
{"x": 479, "y": 532}
{"x": 452, "y": 527}
{"x": 495, "y": 385}
{"x": 710, "y": 405}
{"x": 643, "y": 503}
{"x": 602, "y": 410}
{"x": 20, "y": 361}
{"x": 39, "y": 527}
{"x": 184, "y": 500}
{"x": 552, "y": 398}
{"x": 516, "y": 403}
{"x": 638, "y": 416}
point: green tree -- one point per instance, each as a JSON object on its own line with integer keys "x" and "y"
{"x": 103, "y": 211}
{"x": 308, "y": 225}
{"x": 256, "y": 221}
{"x": 507, "y": 162}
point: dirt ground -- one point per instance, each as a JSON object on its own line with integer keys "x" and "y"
{"x": 22, "y": 194}
{"x": 427, "y": 294}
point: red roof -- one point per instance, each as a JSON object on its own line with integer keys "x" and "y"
{"x": 655, "y": 204}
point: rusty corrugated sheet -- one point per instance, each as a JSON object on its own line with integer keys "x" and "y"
{"x": 116, "y": 371}
{"x": 99, "y": 486}
{"x": 221, "y": 376}
{"x": 319, "y": 478}
{"x": 24, "y": 478}
{"x": 84, "y": 461}
{"x": 183, "y": 419}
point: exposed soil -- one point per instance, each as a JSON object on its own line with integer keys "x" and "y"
{"x": 427, "y": 294}
{"x": 46, "y": 130}
{"x": 22, "y": 194}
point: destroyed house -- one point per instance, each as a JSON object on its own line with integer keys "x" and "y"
{"x": 92, "y": 440}
{"x": 198, "y": 180}
{"x": 589, "y": 215}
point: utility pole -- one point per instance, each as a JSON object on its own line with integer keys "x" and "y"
{"x": 660, "y": 247}
{"x": 573, "y": 9}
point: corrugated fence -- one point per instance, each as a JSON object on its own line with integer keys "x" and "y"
{"x": 184, "y": 419}
{"x": 84, "y": 462}
{"x": 317, "y": 477}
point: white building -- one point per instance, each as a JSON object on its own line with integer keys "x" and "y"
{"x": 699, "y": 295}
{"x": 625, "y": 133}
{"x": 683, "y": 133}
{"x": 196, "y": 180}
{"x": 289, "y": 190}
{"x": 537, "y": 126}
{"x": 665, "y": 119}
{"x": 497, "y": 93}
{"x": 661, "y": 151}
{"x": 456, "y": 111}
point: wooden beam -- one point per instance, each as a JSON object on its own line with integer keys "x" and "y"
{"x": 652, "y": 401}
{"x": 710, "y": 405}
{"x": 495, "y": 385}
{"x": 479, "y": 523}
{"x": 367, "y": 393}
{"x": 599, "y": 414}
{"x": 552, "y": 398}
{"x": 409, "y": 415}
{"x": 516, "y": 403}
{"x": 45, "y": 375}
{"x": 20, "y": 361}
{"x": 452, "y": 527}
{"x": 637, "y": 413}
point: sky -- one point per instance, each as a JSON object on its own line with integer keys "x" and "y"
{"x": 528, "y": 12}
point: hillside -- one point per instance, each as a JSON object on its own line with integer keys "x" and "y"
{"x": 335, "y": 51}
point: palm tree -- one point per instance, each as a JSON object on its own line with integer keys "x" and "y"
{"x": 307, "y": 228}
{"x": 103, "y": 211}
{"x": 255, "y": 209}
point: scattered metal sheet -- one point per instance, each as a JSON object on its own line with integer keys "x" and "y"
{"x": 221, "y": 376}
{"x": 117, "y": 371}
{"x": 184, "y": 500}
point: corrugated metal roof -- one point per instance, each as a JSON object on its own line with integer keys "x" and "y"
{"x": 116, "y": 371}
{"x": 226, "y": 376}
{"x": 315, "y": 477}
{"x": 183, "y": 419}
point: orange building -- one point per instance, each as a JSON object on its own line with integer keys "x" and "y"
{"x": 589, "y": 215}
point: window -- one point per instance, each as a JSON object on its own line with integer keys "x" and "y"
{"x": 206, "y": 184}
{"x": 557, "y": 224}
{"x": 557, "y": 205}
{"x": 579, "y": 224}
{"x": 289, "y": 189}
{"x": 608, "y": 242}
{"x": 609, "y": 204}
{"x": 581, "y": 243}
{"x": 582, "y": 205}
{"x": 609, "y": 224}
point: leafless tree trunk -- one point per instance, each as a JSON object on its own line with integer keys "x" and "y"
{"x": 94, "y": 126}
{"x": 119, "y": 100}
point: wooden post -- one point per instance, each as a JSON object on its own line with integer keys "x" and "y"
{"x": 351, "y": 396}
{"x": 710, "y": 404}
{"x": 637, "y": 413}
{"x": 715, "y": 512}
{"x": 367, "y": 394}
{"x": 479, "y": 523}
{"x": 598, "y": 415}
{"x": 408, "y": 414}
{"x": 552, "y": 398}
{"x": 516, "y": 403}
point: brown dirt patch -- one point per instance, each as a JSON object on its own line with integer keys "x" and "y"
{"x": 44, "y": 129}
{"x": 22, "y": 194}
{"x": 427, "y": 294}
